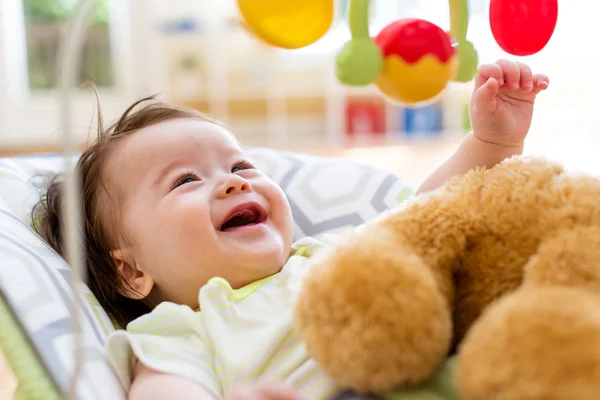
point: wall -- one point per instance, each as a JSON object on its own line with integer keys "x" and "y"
{"x": 567, "y": 122}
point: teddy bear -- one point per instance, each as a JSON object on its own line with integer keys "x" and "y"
{"x": 498, "y": 270}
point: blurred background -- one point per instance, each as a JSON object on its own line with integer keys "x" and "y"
{"x": 197, "y": 53}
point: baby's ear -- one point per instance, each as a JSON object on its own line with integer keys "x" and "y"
{"x": 138, "y": 283}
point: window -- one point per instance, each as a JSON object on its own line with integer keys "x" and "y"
{"x": 44, "y": 21}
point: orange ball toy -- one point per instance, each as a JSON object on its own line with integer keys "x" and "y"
{"x": 419, "y": 60}
{"x": 411, "y": 60}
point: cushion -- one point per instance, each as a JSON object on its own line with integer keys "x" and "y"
{"x": 326, "y": 195}
{"x": 34, "y": 282}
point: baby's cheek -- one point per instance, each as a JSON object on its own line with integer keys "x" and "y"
{"x": 283, "y": 218}
{"x": 191, "y": 227}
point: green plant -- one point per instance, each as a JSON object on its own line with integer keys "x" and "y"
{"x": 61, "y": 10}
{"x": 43, "y": 22}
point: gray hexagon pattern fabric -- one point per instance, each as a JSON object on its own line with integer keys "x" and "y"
{"x": 330, "y": 195}
{"x": 326, "y": 195}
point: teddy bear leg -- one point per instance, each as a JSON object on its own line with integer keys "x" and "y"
{"x": 535, "y": 344}
{"x": 372, "y": 313}
{"x": 542, "y": 342}
{"x": 570, "y": 258}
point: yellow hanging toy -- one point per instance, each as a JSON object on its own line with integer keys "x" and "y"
{"x": 289, "y": 24}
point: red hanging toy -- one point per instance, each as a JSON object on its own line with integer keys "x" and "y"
{"x": 523, "y": 27}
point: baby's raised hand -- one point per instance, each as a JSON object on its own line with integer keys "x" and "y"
{"x": 502, "y": 103}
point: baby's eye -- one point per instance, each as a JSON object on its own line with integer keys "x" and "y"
{"x": 242, "y": 165}
{"x": 186, "y": 178}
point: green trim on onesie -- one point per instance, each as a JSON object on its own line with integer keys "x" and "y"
{"x": 241, "y": 293}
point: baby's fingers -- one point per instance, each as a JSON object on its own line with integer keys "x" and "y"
{"x": 273, "y": 392}
{"x": 484, "y": 98}
{"x": 264, "y": 391}
{"x": 540, "y": 82}
{"x": 486, "y": 72}
{"x": 511, "y": 73}
{"x": 526, "y": 75}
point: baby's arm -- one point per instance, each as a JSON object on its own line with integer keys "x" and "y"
{"x": 472, "y": 153}
{"x": 501, "y": 111}
{"x": 151, "y": 384}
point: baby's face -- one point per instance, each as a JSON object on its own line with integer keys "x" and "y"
{"x": 195, "y": 208}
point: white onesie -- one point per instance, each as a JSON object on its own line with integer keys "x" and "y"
{"x": 240, "y": 336}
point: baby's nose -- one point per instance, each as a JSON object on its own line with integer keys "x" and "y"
{"x": 234, "y": 184}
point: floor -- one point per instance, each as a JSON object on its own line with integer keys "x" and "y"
{"x": 413, "y": 162}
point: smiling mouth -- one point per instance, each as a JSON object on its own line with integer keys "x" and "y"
{"x": 245, "y": 215}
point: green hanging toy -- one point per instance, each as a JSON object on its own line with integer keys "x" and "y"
{"x": 410, "y": 60}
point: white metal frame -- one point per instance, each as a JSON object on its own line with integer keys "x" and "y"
{"x": 69, "y": 57}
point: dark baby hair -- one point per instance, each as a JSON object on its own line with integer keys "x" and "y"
{"x": 99, "y": 213}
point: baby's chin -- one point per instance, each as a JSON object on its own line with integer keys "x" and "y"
{"x": 258, "y": 265}
{"x": 268, "y": 249}
{"x": 268, "y": 261}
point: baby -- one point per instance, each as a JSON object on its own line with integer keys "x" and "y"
{"x": 190, "y": 246}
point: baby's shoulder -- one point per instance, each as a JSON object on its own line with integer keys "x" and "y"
{"x": 164, "y": 318}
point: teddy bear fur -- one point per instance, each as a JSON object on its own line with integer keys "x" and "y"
{"x": 500, "y": 267}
